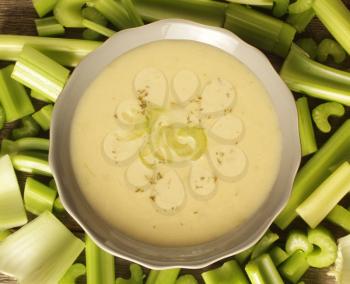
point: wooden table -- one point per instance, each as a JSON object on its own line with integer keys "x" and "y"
{"x": 16, "y": 17}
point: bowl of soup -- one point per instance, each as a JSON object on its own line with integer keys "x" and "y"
{"x": 175, "y": 144}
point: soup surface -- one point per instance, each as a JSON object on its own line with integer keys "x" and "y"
{"x": 175, "y": 143}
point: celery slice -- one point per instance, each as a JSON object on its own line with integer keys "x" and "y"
{"x": 329, "y": 47}
{"x": 340, "y": 216}
{"x": 48, "y": 27}
{"x": 13, "y": 96}
{"x": 43, "y": 7}
{"x": 136, "y": 276}
{"x": 24, "y": 144}
{"x": 163, "y": 276}
{"x": 30, "y": 163}
{"x": 98, "y": 28}
{"x": 322, "y": 112}
{"x": 294, "y": 267}
{"x": 75, "y": 271}
{"x": 29, "y": 128}
{"x": 43, "y": 117}
{"x": 40, "y": 73}
{"x": 186, "y": 279}
{"x": 264, "y": 244}
{"x": 229, "y": 272}
{"x": 278, "y": 255}
{"x": 309, "y": 45}
{"x": 302, "y": 20}
{"x": 39, "y": 252}
{"x": 68, "y": 13}
{"x": 12, "y": 212}
{"x": 297, "y": 240}
{"x": 39, "y": 97}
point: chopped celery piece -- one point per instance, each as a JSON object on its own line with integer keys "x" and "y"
{"x": 43, "y": 117}
{"x": 39, "y": 97}
{"x": 300, "y": 6}
{"x": 342, "y": 263}
{"x": 91, "y": 14}
{"x": 30, "y": 163}
{"x": 89, "y": 34}
{"x": 278, "y": 255}
{"x": 309, "y": 45}
{"x": 186, "y": 279}
{"x": 4, "y": 234}
{"x": 262, "y": 271}
{"x": 315, "y": 171}
{"x": 52, "y": 184}
{"x": 330, "y": 47}
{"x": 94, "y": 21}
{"x": 264, "y": 3}
{"x": 68, "y": 13}
{"x": 306, "y": 76}
{"x": 24, "y": 144}
{"x": 322, "y": 112}
{"x": 40, "y": 73}
{"x": 264, "y": 244}
{"x": 202, "y": 11}
{"x": 99, "y": 264}
{"x": 43, "y": 7}
{"x": 74, "y": 272}
{"x": 134, "y": 15}
{"x": 301, "y": 21}
{"x": 29, "y": 128}
{"x": 280, "y": 8}
{"x": 13, "y": 96}
{"x": 66, "y": 51}
{"x": 38, "y": 197}
{"x": 48, "y": 27}
{"x": 325, "y": 253}
{"x": 39, "y": 252}
{"x": 229, "y": 272}
{"x": 58, "y": 206}
{"x": 136, "y": 276}
{"x": 317, "y": 206}
{"x": 2, "y": 117}
{"x": 340, "y": 216}
{"x": 98, "y": 28}
{"x": 167, "y": 276}
{"x": 335, "y": 16}
{"x": 12, "y": 213}
{"x": 260, "y": 30}
{"x": 294, "y": 267}
{"x": 297, "y": 240}
{"x": 243, "y": 256}
{"x": 306, "y": 130}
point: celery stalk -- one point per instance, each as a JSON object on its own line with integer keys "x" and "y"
{"x": 39, "y": 252}
{"x": 315, "y": 171}
{"x": 42, "y": 7}
{"x": 132, "y": 12}
{"x": 39, "y": 97}
{"x": 243, "y": 256}
{"x": 301, "y": 21}
{"x": 280, "y": 8}
{"x": 136, "y": 275}
{"x": 68, "y": 13}
{"x": 98, "y": 28}
{"x": 99, "y": 264}
{"x": 297, "y": 240}
{"x": 278, "y": 255}
{"x": 259, "y": 29}
{"x": 340, "y": 216}
{"x": 229, "y": 272}
{"x": 73, "y": 273}
{"x": 264, "y": 3}
{"x": 163, "y": 276}
{"x": 43, "y": 117}
{"x": 12, "y": 212}
{"x": 68, "y": 52}
{"x": 48, "y": 27}
{"x": 24, "y": 144}
{"x": 91, "y": 14}
{"x": 186, "y": 279}
{"x": 300, "y": 6}
{"x": 13, "y": 96}
{"x": 40, "y": 73}
{"x": 29, "y": 163}
{"x": 2, "y": 117}
{"x": 322, "y": 112}
{"x": 264, "y": 244}
{"x": 29, "y": 128}
{"x": 294, "y": 267}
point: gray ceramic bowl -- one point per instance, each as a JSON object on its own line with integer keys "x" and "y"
{"x": 121, "y": 245}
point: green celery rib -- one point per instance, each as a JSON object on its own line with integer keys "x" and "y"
{"x": 186, "y": 279}
{"x": 39, "y": 97}
{"x": 335, "y": 16}
{"x": 329, "y": 47}
{"x": 136, "y": 275}
{"x": 306, "y": 130}
{"x": 2, "y": 117}
{"x": 259, "y": 29}
{"x": 29, "y": 128}
{"x": 13, "y": 96}
{"x": 278, "y": 255}
{"x": 68, "y": 13}
{"x": 24, "y": 144}
{"x": 91, "y": 14}
{"x": 322, "y": 112}
{"x": 229, "y": 272}
{"x": 280, "y": 8}
{"x": 300, "y": 6}
{"x": 130, "y": 8}
{"x": 40, "y": 73}
{"x": 264, "y": 244}
{"x": 264, "y": 3}
{"x": 30, "y": 163}
{"x": 48, "y": 27}
{"x": 294, "y": 267}
{"x": 89, "y": 34}
{"x": 340, "y": 216}
{"x": 38, "y": 197}
{"x": 68, "y": 52}
{"x": 98, "y": 28}
{"x": 315, "y": 171}
{"x": 42, "y": 7}
{"x": 12, "y": 213}
{"x": 99, "y": 264}
{"x": 243, "y": 256}
{"x": 297, "y": 240}
{"x": 202, "y": 11}
{"x": 317, "y": 206}
{"x": 43, "y": 117}
{"x": 306, "y": 76}
{"x": 73, "y": 273}
{"x": 301, "y": 21}
{"x": 163, "y": 276}
{"x": 309, "y": 45}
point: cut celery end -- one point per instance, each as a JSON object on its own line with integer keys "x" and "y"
{"x": 294, "y": 267}
{"x": 29, "y": 128}
{"x": 39, "y": 97}
{"x": 43, "y": 7}
{"x": 73, "y": 273}
{"x": 98, "y": 28}
{"x": 68, "y": 13}
{"x": 322, "y": 112}
{"x": 38, "y": 197}
{"x": 43, "y": 117}
{"x": 301, "y": 21}
{"x": 300, "y": 6}
{"x": 297, "y": 240}
{"x": 136, "y": 275}
{"x": 30, "y": 163}
{"x": 342, "y": 263}
{"x": 278, "y": 255}
{"x": 264, "y": 244}
{"x": 12, "y": 213}
{"x": 315, "y": 171}
{"x": 340, "y": 216}
{"x": 13, "y": 96}
{"x": 229, "y": 272}
{"x": 48, "y": 27}
{"x": 280, "y": 8}
{"x": 39, "y": 252}
{"x": 40, "y": 73}
{"x": 205, "y": 11}
{"x": 163, "y": 276}
{"x": 24, "y": 144}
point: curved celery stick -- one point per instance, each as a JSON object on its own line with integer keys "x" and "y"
{"x": 136, "y": 276}
{"x": 278, "y": 255}
{"x": 280, "y": 8}
{"x": 229, "y": 272}
{"x": 13, "y": 96}
{"x": 340, "y": 216}
{"x": 329, "y": 47}
{"x": 74, "y": 272}
{"x": 29, "y": 163}
{"x": 98, "y": 28}
{"x": 163, "y": 276}
{"x": 58, "y": 206}
{"x": 38, "y": 197}
{"x": 42, "y": 7}
{"x": 68, "y": 12}
{"x": 306, "y": 76}
{"x": 29, "y": 128}
{"x": 24, "y": 144}
{"x": 12, "y": 212}
{"x": 264, "y": 244}
{"x": 294, "y": 267}
{"x": 297, "y": 240}
{"x": 43, "y": 117}
{"x": 326, "y": 253}
{"x": 309, "y": 45}
{"x": 39, "y": 252}
{"x": 48, "y": 27}
{"x": 300, "y": 6}
{"x": 132, "y": 12}
{"x": 39, "y": 97}
{"x": 4, "y": 234}
{"x": 322, "y": 112}
{"x": 2, "y": 117}
{"x": 302, "y": 20}
{"x": 186, "y": 279}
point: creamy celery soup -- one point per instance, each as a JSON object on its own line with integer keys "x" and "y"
{"x": 176, "y": 143}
